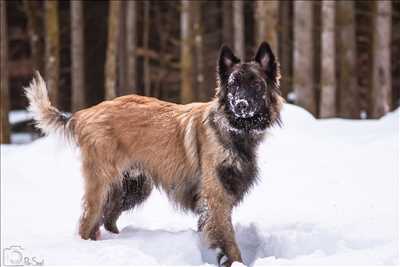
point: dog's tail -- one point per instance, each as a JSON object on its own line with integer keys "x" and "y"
{"x": 47, "y": 118}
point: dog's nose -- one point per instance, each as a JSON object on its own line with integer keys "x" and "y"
{"x": 242, "y": 105}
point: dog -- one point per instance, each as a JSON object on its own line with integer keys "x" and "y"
{"x": 201, "y": 154}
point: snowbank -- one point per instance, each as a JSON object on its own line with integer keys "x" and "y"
{"x": 328, "y": 194}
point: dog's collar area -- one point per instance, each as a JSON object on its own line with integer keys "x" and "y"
{"x": 224, "y": 124}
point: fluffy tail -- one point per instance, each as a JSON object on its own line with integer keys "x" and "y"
{"x": 48, "y": 118}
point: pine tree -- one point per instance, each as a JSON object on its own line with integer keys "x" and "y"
{"x": 77, "y": 56}
{"x": 187, "y": 92}
{"x": 110, "y": 72}
{"x": 381, "y": 85}
{"x": 238, "y": 29}
{"x": 266, "y": 18}
{"x": 328, "y": 66}
{"x": 303, "y": 69}
{"x": 146, "y": 36}
{"x": 131, "y": 43}
{"x": 5, "y": 127}
{"x": 349, "y": 103}
{"x": 52, "y": 50}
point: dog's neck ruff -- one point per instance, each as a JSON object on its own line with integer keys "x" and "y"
{"x": 223, "y": 122}
{"x": 255, "y": 124}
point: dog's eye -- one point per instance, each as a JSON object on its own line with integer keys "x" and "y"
{"x": 233, "y": 88}
{"x": 257, "y": 87}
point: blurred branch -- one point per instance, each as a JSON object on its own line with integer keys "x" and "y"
{"x": 151, "y": 54}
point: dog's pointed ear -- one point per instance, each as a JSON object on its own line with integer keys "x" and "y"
{"x": 226, "y": 61}
{"x": 266, "y": 58}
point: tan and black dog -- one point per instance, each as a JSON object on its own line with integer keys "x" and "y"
{"x": 201, "y": 154}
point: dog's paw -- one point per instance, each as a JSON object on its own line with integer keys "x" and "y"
{"x": 97, "y": 235}
{"x": 223, "y": 259}
{"x": 111, "y": 228}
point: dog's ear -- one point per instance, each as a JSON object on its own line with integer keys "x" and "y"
{"x": 266, "y": 58}
{"x": 226, "y": 61}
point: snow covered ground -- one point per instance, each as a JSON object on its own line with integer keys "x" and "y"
{"x": 19, "y": 116}
{"x": 328, "y": 194}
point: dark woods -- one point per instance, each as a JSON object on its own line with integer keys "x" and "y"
{"x": 337, "y": 57}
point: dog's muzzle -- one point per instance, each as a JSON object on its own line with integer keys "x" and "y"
{"x": 243, "y": 108}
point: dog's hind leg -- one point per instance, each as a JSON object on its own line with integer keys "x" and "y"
{"x": 113, "y": 209}
{"x": 95, "y": 196}
{"x": 111, "y": 221}
{"x": 135, "y": 189}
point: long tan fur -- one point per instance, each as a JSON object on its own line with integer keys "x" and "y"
{"x": 48, "y": 118}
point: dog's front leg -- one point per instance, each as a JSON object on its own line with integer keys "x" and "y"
{"x": 215, "y": 222}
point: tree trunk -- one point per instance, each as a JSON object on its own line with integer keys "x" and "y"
{"x": 266, "y": 15}
{"x": 317, "y": 22}
{"x": 187, "y": 92}
{"x": 381, "y": 84}
{"x": 121, "y": 50}
{"x": 5, "y": 98}
{"x": 328, "y": 74}
{"x": 213, "y": 39}
{"x": 112, "y": 44}
{"x": 227, "y": 23}
{"x": 52, "y": 38}
{"x": 238, "y": 29}
{"x": 349, "y": 103}
{"x": 202, "y": 93}
{"x": 286, "y": 46}
{"x": 162, "y": 31}
{"x": 35, "y": 31}
{"x": 395, "y": 55}
{"x": 146, "y": 62}
{"x": 303, "y": 72}
{"x": 131, "y": 33}
{"x": 77, "y": 56}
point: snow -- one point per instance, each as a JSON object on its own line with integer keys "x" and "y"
{"x": 328, "y": 194}
{"x": 16, "y": 116}
{"x": 21, "y": 138}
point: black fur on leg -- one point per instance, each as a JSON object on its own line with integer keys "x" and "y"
{"x": 222, "y": 259}
{"x": 202, "y": 210}
{"x": 135, "y": 189}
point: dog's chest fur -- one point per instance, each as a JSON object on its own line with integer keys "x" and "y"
{"x": 237, "y": 177}
{"x": 237, "y": 172}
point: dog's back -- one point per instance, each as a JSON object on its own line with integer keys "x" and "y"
{"x": 156, "y": 138}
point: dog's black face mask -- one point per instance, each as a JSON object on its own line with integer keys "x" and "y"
{"x": 248, "y": 91}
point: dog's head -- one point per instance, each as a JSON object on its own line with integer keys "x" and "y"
{"x": 249, "y": 92}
